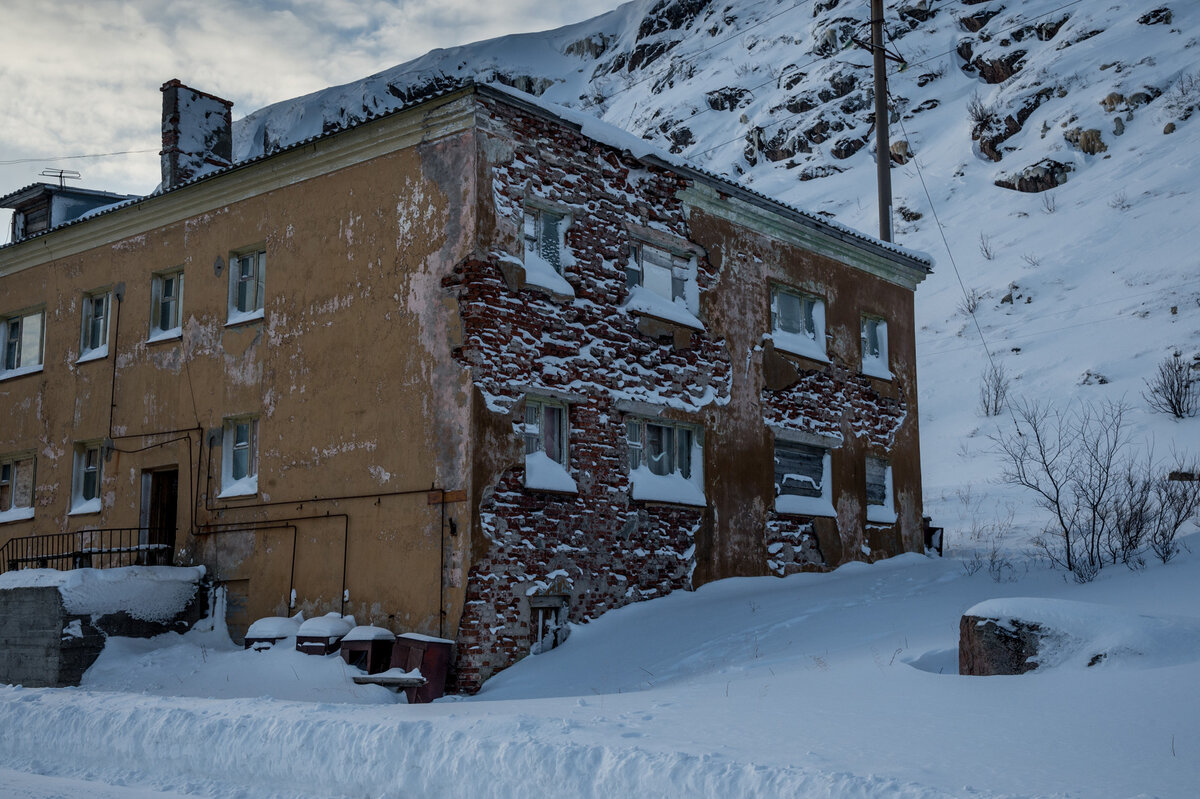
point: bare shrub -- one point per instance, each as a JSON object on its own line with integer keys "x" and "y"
{"x": 993, "y": 389}
{"x": 1173, "y": 390}
{"x": 981, "y": 114}
{"x": 969, "y": 304}
{"x": 1032, "y": 260}
{"x": 1104, "y": 500}
{"x": 985, "y": 247}
{"x": 1120, "y": 202}
{"x": 1049, "y": 203}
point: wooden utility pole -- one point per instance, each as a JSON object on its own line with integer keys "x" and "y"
{"x": 883, "y": 151}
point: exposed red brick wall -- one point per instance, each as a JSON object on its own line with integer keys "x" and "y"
{"x": 608, "y": 549}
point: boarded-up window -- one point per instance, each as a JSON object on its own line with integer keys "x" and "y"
{"x": 799, "y": 469}
{"x": 877, "y": 492}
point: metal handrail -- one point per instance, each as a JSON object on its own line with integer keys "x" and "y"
{"x": 99, "y": 548}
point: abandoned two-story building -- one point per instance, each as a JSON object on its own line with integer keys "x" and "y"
{"x": 471, "y": 368}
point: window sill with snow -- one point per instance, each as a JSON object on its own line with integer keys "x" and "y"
{"x": 673, "y": 489}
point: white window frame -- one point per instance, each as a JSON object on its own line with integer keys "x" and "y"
{"x": 676, "y": 475}
{"x": 814, "y": 501}
{"x": 94, "y": 325}
{"x": 13, "y": 506}
{"x": 87, "y": 477}
{"x": 239, "y": 435}
{"x": 807, "y": 338}
{"x": 875, "y": 347}
{"x": 22, "y": 355}
{"x": 547, "y": 460}
{"x": 885, "y": 512}
{"x": 171, "y": 302}
{"x": 247, "y": 285}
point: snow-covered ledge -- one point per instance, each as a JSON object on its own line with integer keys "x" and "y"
{"x": 246, "y": 487}
{"x": 16, "y": 515}
{"x": 546, "y": 474}
{"x": 811, "y": 506}
{"x": 673, "y": 488}
{"x": 644, "y": 301}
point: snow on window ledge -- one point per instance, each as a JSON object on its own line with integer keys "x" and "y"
{"x": 804, "y": 506}
{"x": 24, "y": 370}
{"x": 241, "y": 317}
{"x": 246, "y": 487}
{"x": 880, "y": 514}
{"x": 673, "y": 488}
{"x": 544, "y": 473}
{"x": 93, "y": 355}
{"x": 876, "y": 367}
{"x": 16, "y": 515}
{"x": 541, "y": 273}
{"x": 165, "y": 335}
{"x": 644, "y": 301}
{"x": 797, "y": 344}
{"x": 85, "y": 506}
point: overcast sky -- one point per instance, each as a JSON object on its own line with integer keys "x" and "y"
{"x": 82, "y": 77}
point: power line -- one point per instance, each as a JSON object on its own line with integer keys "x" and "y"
{"x": 69, "y": 157}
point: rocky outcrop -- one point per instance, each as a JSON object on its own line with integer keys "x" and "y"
{"x": 1042, "y": 176}
{"x": 988, "y": 647}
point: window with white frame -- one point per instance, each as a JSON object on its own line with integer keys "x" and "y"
{"x": 874, "y": 348}
{"x": 546, "y": 455}
{"x": 93, "y": 338}
{"x": 87, "y": 477}
{"x": 24, "y": 335}
{"x": 880, "y": 507}
{"x": 16, "y": 487}
{"x": 803, "y": 483}
{"x": 166, "y": 305}
{"x": 239, "y": 457}
{"x": 798, "y": 323}
{"x": 665, "y": 461}
{"x": 247, "y": 276}
{"x": 662, "y": 283}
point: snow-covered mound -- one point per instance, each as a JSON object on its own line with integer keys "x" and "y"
{"x": 148, "y": 593}
{"x": 810, "y": 685}
{"x": 1054, "y": 145}
{"x": 1083, "y": 634}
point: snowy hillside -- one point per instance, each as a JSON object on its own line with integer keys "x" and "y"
{"x": 1079, "y": 288}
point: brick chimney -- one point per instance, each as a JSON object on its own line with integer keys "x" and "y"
{"x": 197, "y": 133}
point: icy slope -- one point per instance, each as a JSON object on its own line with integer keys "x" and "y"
{"x": 1079, "y": 289}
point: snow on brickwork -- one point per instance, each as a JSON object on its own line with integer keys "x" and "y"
{"x": 819, "y": 400}
{"x": 791, "y": 546}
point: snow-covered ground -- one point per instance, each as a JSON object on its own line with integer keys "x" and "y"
{"x": 837, "y": 685}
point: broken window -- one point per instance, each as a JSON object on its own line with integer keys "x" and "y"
{"x": 547, "y": 622}
{"x": 880, "y": 508}
{"x": 16, "y": 483}
{"x": 874, "y": 348}
{"x": 247, "y": 276}
{"x": 665, "y": 461}
{"x": 166, "y": 304}
{"x": 546, "y": 455}
{"x": 662, "y": 272}
{"x": 544, "y": 236}
{"x": 798, "y": 323}
{"x": 23, "y": 338}
{"x": 546, "y": 429}
{"x": 87, "y": 477}
{"x": 93, "y": 341}
{"x": 239, "y": 457}
{"x": 663, "y": 448}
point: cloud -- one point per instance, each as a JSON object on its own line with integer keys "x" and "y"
{"x": 84, "y": 77}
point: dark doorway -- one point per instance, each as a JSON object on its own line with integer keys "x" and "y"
{"x": 161, "y": 497}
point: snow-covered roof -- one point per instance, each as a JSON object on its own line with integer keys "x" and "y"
{"x": 303, "y": 110}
